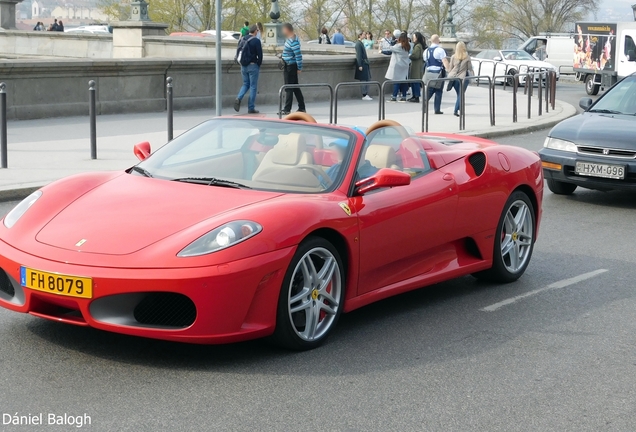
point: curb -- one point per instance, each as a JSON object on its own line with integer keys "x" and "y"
{"x": 21, "y": 193}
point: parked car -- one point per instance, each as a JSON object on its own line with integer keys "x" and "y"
{"x": 93, "y": 29}
{"x": 347, "y": 44}
{"x": 595, "y": 150}
{"x": 225, "y": 34}
{"x": 555, "y": 48}
{"x": 508, "y": 62}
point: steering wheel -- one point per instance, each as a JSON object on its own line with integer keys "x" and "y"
{"x": 320, "y": 174}
{"x": 300, "y": 116}
{"x": 388, "y": 123}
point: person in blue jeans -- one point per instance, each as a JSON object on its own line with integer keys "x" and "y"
{"x": 251, "y": 60}
{"x": 436, "y": 64}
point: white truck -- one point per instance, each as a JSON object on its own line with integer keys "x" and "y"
{"x": 604, "y": 53}
{"x": 554, "y": 48}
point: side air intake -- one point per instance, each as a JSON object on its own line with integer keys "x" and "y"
{"x": 478, "y": 162}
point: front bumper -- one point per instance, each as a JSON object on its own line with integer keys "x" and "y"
{"x": 566, "y": 174}
{"x": 232, "y": 302}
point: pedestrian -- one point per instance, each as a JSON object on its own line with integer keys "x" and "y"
{"x": 293, "y": 58}
{"x": 53, "y": 27}
{"x": 245, "y": 30}
{"x": 338, "y": 38}
{"x": 399, "y": 65}
{"x": 260, "y": 32}
{"x": 250, "y": 52}
{"x": 60, "y": 26}
{"x": 386, "y": 42}
{"x": 368, "y": 40}
{"x": 324, "y": 37}
{"x": 436, "y": 65}
{"x": 417, "y": 64}
{"x": 363, "y": 72}
{"x": 460, "y": 67}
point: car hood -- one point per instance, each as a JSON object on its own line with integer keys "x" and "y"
{"x": 129, "y": 213}
{"x": 531, "y": 63}
{"x": 600, "y": 130}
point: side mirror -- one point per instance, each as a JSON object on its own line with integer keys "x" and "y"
{"x": 382, "y": 179}
{"x": 585, "y": 103}
{"x": 497, "y": 58}
{"x": 631, "y": 55}
{"x": 142, "y": 150}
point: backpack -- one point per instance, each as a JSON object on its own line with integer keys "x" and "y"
{"x": 244, "y": 53}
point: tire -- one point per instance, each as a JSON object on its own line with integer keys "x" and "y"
{"x": 306, "y": 313}
{"x": 591, "y": 88}
{"x": 516, "y": 236}
{"x": 560, "y": 188}
{"x": 511, "y": 81}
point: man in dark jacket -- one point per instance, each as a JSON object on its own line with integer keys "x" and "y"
{"x": 250, "y": 52}
{"x": 363, "y": 72}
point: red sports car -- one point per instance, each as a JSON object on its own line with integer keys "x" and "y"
{"x": 248, "y": 227}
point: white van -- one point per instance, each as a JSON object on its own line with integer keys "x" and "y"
{"x": 555, "y": 48}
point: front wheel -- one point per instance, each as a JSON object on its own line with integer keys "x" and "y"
{"x": 311, "y": 298}
{"x": 590, "y": 87}
{"x": 560, "y": 188}
{"x": 511, "y": 81}
{"x": 514, "y": 240}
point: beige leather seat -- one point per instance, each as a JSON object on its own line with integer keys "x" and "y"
{"x": 290, "y": 151}
{"x": 381, "y": 156}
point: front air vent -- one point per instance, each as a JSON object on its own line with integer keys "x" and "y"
{"x": 5, "y": 284}
{"x": 166, "y": 310}
{"x": 478, "y": 162}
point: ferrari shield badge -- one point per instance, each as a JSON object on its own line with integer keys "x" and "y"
{"x": 345, "y": 207}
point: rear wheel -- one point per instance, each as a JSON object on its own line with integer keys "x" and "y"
{"x": 560, "y": 188}
{"x": 511, "y": 81}
{"x": 311, "y": 297}
{"x": 514, "y": 240}
{"x": 590, "y": 87}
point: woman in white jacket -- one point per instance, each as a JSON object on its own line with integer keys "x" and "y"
{"x": 399, "y": 65}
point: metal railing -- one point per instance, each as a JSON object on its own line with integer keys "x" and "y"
{"x": 491, "y": 97}
{"x": 462, "y": 102}
{"x": 405, "y": 81}
{"x": 357, "y": 84}
{"x": 302, "y": 86}
{"x": 4, "y": 163}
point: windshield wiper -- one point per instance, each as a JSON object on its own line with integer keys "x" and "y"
{"x": 605, "y": 111}
{"x": 212, "y": 181}
{"x": 142, "y": 171}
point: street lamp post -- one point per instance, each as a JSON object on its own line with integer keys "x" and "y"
{"x": 448, "y": 28}
{"x": 634, "y": 10}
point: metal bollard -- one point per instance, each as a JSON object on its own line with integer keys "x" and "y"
{"x": 169, "y": 108}
{"x": 515, "y": 87}
{"x": 3, "y": 126}
{"x": 540, "y": 92}
{"x": 93, "y": 120}
{"x": 529, "y": 87}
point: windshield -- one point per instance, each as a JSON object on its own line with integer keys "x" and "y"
{"x": 255, "y": 154}
{"x": 620, "y": 99}
{"x": 517, "y": 55}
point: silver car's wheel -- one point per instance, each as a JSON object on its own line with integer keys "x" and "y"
{"x": 517, "y": 235}
{"x": 314, "y": 288}
{"x": 311, "y": 297}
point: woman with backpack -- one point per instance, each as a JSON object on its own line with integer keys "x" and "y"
{"x": 460, "y": 67}
{"x": 324, "y": 37}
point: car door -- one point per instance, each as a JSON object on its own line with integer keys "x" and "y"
{"x": 404, "y": 230}
{"x": 628, "y": 43}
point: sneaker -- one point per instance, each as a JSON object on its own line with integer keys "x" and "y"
{"x": 301, "y": 110}
{"x": 414, "y": 99}
{"x": 283, "y": 113}
{"x": 253, "y": 111}
{"x": 438, "y": 112}
{"x": 237, "y": 104}
{"x": 393, "y": 99}
{"x": 367, "y": 98}
{"x": 403, "y": 99}
{"x": 456, "y": 113}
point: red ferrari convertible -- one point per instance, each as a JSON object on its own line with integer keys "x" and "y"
{"x": 248, "y": 227}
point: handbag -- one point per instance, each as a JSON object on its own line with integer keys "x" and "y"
{"x": 281, "y": 63}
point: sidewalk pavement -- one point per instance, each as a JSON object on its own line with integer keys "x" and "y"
{"x": 41, "y": 151}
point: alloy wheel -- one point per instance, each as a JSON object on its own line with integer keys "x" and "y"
{"x": 517, "y": 234}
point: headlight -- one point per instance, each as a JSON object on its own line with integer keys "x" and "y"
{"x": 559, "y": 144}
{"x": 222, "y": 237}
{"x": 19, "y": 210}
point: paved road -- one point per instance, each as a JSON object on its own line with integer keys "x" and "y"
{"x": 561, "y": 358}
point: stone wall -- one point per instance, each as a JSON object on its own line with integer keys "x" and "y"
{"x": 59, "y": 88}
{"x": 53, "y": 44}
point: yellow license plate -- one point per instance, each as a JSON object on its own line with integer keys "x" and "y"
{"x": 55, "y": 283}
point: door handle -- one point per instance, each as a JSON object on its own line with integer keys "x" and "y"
{"x": 448, "y": 177}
